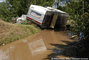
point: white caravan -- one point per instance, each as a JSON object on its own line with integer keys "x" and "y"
{"x": 47, "y": 17}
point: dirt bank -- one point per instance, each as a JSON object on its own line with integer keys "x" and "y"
{"x": 10, "y": 32}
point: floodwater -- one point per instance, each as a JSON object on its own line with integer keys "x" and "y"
{"x": 34, "y": 47}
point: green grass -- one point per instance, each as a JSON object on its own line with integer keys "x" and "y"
{"x": 12, "y": 32}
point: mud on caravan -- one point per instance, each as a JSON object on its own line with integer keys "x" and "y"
{"x": 47, "y": 17}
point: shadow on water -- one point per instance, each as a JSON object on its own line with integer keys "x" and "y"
{"x": 55, "y": 52}
{"x": 55, "y": 29}
{"x": 69, "y": 50}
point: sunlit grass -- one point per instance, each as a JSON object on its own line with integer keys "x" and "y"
{"x": 12, "y": 32}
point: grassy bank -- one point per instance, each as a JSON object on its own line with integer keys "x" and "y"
{"x": 12, "y": 32}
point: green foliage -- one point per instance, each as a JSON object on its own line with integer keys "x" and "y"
{"x": 42, "y": 2}
{"x": 15, "y": 8}
{"x": 25, "y": 22}
{"x": 85, "y": 24}
{"x": 86, "y": 3}
{"x": 75, "y": 9}
{"x": 5, "y": 12}
{"x": 81, "y": 22}
{"x": 79, "y": 13}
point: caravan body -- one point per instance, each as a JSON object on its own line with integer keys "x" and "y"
{"x": 46, "y": 17}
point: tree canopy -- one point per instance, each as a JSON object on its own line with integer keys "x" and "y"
{"x": 14, "y": 8}
{"x": 79, "y": 13}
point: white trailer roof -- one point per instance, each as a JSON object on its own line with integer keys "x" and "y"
{"x": 43, "y": 10}
{"x": 39, "y": 9}
{"x": 53, "y": 9}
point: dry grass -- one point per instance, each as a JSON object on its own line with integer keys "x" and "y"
{"x": 11, "y": 32}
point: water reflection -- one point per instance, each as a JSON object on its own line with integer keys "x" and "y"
{"x": 37, "y": 44}
{"x": 37, "y": 47}
{"x": 4, "y": 56}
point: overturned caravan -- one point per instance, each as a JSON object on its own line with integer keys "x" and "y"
{"x": 47, "y": 17}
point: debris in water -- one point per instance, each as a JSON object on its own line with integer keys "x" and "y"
{"x": 24, "y": 41}
{"x": 3, "y": 44}
{"x": 37, "y": 46}
{"x": 3, "y": 56}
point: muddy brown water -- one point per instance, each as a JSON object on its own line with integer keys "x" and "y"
{"x": 34, "y": 47}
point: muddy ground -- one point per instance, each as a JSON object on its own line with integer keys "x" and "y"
{"x": 40, "y": 46}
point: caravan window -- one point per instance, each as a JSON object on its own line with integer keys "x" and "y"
{"x": 35, "y": 14}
